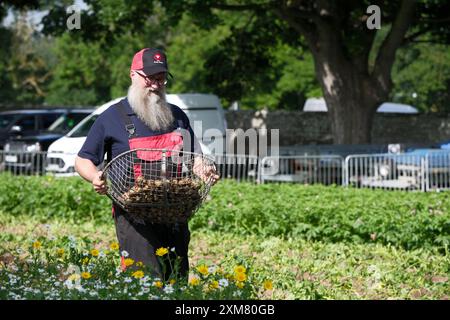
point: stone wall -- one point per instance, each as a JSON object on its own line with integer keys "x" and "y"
{"x": 299, "y": 128}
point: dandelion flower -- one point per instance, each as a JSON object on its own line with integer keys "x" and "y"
{"x": 214, "y": 284}
{"x": 241, "y": 277}
{"x": 37, "y": 244}
{"x": 86, "y": 275}
{"x": 240, "y": 269}
{"x": 268, "y": 285}
{"x": 239, "y": 284}
{"x": 60, "y": 251}
{"x": 95, "y": 252}
{"x": 161, "y": 251}
{"x": 203, "y": 270}
{"x": 114, "y": 246}
{"x": 138, "y": 274}
{"x": 172, "y": 281}
{"x": 128, "y": 262}
{"x": 195, "y": 281}
{"x": 158, "y": 284}
{"x": 139, "y": 264}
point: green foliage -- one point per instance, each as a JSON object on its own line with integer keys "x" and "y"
{"x": 77, "y": 81}
{"x": 421, "y": 77}
{"x": 47, "y": 197}
{"x": 332, "y": 214}
{"x": 313, "y": 242}
{"x": 317, "y": 213}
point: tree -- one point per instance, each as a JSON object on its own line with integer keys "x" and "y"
{"x": 354, "y": 73}
{"x": 94, "y": 61}
{"x": 196, "y": 56}
{"x": 421, "y": 77}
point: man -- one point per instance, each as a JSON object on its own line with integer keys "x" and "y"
{"x": 139, "y": 121}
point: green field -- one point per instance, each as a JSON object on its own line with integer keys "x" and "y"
{"x": 312, "y": 242}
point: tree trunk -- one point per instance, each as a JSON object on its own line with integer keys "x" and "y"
{"x": 352, "y": 99}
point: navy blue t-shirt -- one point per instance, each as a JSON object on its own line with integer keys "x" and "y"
{"x": 108, "y": 133}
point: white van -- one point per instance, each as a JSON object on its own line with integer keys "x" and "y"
{"x": 203, "y": 110}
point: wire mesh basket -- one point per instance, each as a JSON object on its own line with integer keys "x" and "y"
{"x": 158, "y": 185}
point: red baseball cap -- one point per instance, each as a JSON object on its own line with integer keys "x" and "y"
{"x": 151, "y": 61}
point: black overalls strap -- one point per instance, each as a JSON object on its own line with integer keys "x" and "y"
{"x": 129, "y": 126}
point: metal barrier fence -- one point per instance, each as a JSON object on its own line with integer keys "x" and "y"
{"x": 302, "y": 169}
{"x": 23, "y": 163}
{"x": 422, "y": 171}
{"x": 414, "y": 171}
{"x": 238, "y": 167}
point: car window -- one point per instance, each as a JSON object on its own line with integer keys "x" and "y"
{"x": 48, "y": 119}
{"x": 27, "y": 123}
{"x": 66, "y": 122}
{"x": 83, "y": 130}
{"x": 6, "y": 120}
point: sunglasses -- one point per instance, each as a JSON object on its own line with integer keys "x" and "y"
{"x": 152, "y": 80}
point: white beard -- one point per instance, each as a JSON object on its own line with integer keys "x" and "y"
{"x": 151, "y": 107}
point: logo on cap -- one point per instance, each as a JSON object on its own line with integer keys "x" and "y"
{"x": 157, "y": 58}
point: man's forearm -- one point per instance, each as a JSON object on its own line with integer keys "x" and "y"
{"x": 86, "y": 168}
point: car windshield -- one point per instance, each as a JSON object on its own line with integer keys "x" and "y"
{"x": 83, "y": 130}
{"x": 66, "y": 122}
{"x": 6, "y": 119}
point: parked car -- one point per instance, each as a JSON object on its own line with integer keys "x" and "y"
{"x": 26, "y": 153}
{"x": 414, "y": 168}
{"x": 319, "y": 105}
{"x": 25, "y": 122}
{"x": 205, "y": 108}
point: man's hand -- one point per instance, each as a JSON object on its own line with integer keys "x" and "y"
{"x": 99, "y": 184}
{"x": 206, "y": 172}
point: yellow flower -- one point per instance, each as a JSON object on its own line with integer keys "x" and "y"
{"x": 85, "y": 260}
{"x": 60, "y": 252}
{"x": 139, "y": 264}
{"x": 239, "y": 269}
{"x": 74, "y": 277}
{"x": 95, "y": 252}
{"x": 203, "y": 269}
{"x": 214, "y": 284}
{"x": 162, "y": 251}
{"x": 239, "y": 284}
{"x": 268, "y": 285}
{"x": 172, "y": 281}
{"x": 158, "y": 284}
{"x": 114, "y": 246}
{"x": 195, "y": 281}
{"x": 86, "y": 275}
{"x": 37, "y": 245}
{"x": 138, "y": 274}
{"x": 240, "y": 277}
{"x": 128, "y": 262}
